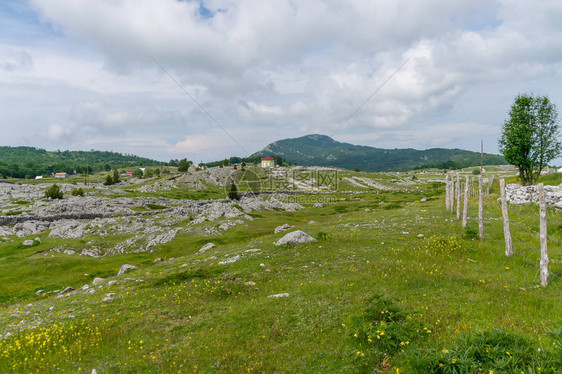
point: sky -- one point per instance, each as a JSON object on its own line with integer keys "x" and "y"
{"x": 205, "y": 80}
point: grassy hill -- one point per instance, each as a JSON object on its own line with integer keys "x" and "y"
{"x": 27, "y": 162}
{"x": 393, "y": 285}
{"x": 321, "y": 150}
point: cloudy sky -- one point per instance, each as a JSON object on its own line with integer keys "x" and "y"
{"x": 85, "y": 74}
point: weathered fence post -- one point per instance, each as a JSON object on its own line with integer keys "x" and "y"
{"x": 544, "y": 238}
{"x": 452, "y": 194}
{"x": 490, "y": 185}
{"x": 458, "y": 196}
{"x": 447, "y": 192}
{"x": 506, "y": 231}
{"x": 480, "y": 209}
{"x": 465, "y": 209}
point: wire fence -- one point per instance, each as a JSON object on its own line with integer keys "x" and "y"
{"x": 524, "y": 224}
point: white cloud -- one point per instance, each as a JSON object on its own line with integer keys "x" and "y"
{"x": 275, "y": 69}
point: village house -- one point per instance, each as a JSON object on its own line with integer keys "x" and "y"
{"x": 60, "y": 175}
{"x": 267, "y": 162}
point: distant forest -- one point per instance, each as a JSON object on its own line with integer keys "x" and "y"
{"x": 28, "y": 162}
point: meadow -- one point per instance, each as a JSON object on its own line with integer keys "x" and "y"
{"x": 392, "y": 285}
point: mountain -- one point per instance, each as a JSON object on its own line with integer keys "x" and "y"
{"x": 27, "y": 162}
{"x": 321, "y": 150}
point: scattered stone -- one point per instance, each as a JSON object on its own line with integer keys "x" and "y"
{"x": 67, "y": 290}
{"x": 406, "y": 232}
{"x": 420, "y": 236}
{"x": 85, "y": 287}
{"x": 318, "y": 205}
{"x": 39, "y": 292}
{"x": 424, "y": 199}
{"x": 94, "y": 371}
{"x": 8, "y": 334}
{"x": 125, "y": 268}
{"x": 38, "y": 240}
{"x": 295, "y": 237}
{"x": 90, "y": 252}
{"x": 252, "y": 250}
{"x": 311, "y": 222}
{"x": 28, "y": 242}
{"x": 262, "y": 265}
{"x": 230, "y": 260}
{"x": 112, "y": 282}
{"x": 250, "y": 283}
{"x": 159, "y": 259}
{"x": 276, "y": 296}
{"x": 97, "y": 281}
{"x": 69, "y": 252}
{"x": 206, "y": 247}
{"x": 282, "y": 228}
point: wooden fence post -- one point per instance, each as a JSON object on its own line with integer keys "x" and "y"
{"x": 480, "y": 209}
{"x": 544, "y": 238}
{"x": 447, "y": 192}
{"x": 465, "y": 210}
{"x": 490, "y": 185}
{"x": 506, "y": 231}
{"x": 452, "y": 194}
{"x": 458, "y": 196}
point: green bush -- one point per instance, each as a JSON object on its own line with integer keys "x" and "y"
{"x": 108, "y": 180}
{"x": 476, "y": 171}
{"x": 383, "y": 324}
{"x": 233, "y": 192}
{"x": 488, "y": 351}
{"x": 54, "y": 192}
{"x": 77, "y": 192}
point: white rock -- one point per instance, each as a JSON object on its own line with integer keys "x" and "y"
{"x": 252, "y": 250}
{"x": 206, "y": 247}
{"x": 125, "y": 268}
{"x": 282, "y": 228}
{"x": 276, "y": 296}
{"x": 420, "y": 235}
{"x": 28, "y": 242}
{"x": 230, "y": 260}
{"x": 69, "y": 252}
{"x": 98, "y": 281}
{"x": 295, "y": 237}
{"x": 318, "y": 205}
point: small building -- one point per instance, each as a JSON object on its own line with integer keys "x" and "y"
{"x": 267, "y": 162}
{"x": 192, "y": 168}
{"x": 39, "y": 177}
{"x": 60, "y": 175}
{"x": 129, "y": 173}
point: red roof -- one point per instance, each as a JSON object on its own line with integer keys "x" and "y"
{"x": 268, "y": 158}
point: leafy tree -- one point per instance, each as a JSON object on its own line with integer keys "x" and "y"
{"x": 138, "y": 173}
{"x": 184, "y": 165}
{"x": 108, "y": 180}
{"x": 157, "y": 172}
{"x": 54, "y": 192}
{"x": 148, "y": 174}
{"x": 530, "y": 136}
{"x": 116, "y": 176}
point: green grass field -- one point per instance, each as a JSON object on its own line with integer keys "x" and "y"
{"x": 371, "y": 295}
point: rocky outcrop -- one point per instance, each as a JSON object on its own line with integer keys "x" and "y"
{"x": 295, "y": 237}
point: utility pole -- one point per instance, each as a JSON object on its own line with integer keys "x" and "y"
{"x": 481, "y": 156}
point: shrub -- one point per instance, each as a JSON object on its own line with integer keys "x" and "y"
{"x": 77, "y": 192}
{"x": 116, "y": 177}
{"x": 54, "y": 192}
{"x": 487, "y": 351}
{"x": 233, "y": 192}
{"x": 476, "y": 171}
{"x": 108, "y": 180}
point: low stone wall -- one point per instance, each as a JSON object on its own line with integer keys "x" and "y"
{"x": 517, "y": 194}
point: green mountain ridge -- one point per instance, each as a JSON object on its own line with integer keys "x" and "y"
{"x": 321, "y": 150}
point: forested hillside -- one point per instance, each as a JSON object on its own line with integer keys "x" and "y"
{"x": 28, "y": 162}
